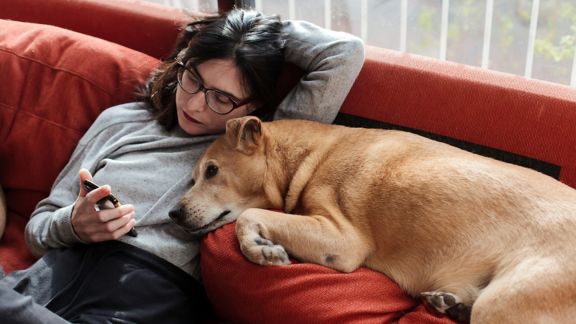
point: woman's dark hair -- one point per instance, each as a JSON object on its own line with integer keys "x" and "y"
{"x": 252, "y": 40}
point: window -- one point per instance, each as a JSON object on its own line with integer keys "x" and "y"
{"x": 531, "y": 38}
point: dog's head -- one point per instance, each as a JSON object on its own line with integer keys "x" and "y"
{"x": 228, "y": 179}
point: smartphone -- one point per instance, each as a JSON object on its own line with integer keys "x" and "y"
{"x": 107, "y": 202}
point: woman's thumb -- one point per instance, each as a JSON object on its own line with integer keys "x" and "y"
{"x": 84, "y": 175}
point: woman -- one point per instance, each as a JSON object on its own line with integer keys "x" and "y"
{"x": 222, "y": 68}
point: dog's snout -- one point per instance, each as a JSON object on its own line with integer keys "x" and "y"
{"x": 176, "y": 214}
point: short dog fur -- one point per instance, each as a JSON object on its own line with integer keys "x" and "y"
{"x": 479, "y": 239}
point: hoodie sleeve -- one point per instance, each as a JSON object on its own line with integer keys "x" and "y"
{"x": 50, "y": 224}
{"x": 331, "y": 62}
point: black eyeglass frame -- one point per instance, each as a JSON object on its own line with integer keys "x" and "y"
{"x": 236, "y": 103}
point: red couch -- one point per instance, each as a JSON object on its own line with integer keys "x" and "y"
{"x": 55, "y": 82}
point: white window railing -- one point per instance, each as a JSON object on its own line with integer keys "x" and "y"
{"x": 531, "y": 38}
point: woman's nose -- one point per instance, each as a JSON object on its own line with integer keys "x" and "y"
{"x": 196, "y": 102}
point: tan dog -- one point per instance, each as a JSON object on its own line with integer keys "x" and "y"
{"x": 455, "y": 227}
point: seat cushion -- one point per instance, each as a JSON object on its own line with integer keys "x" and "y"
{"x": 244, "y": 292}
{"x": 55, "y": 82}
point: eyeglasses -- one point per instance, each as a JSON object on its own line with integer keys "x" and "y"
{"x": 218, "y": 101}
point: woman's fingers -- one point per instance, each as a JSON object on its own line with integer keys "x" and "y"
{"x": 108, "y": 215}
{"x": 106, "y": 224}
{"x": 116, "y": 224}
{"x": 125, "y": 224}
{"x": 84, "y": 174}
{"x": 94, "y": 196}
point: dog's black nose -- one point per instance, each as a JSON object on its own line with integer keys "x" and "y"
{"x": 176, "y": 214}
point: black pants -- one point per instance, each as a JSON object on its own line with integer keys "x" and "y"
{"x": 112, "y": 282}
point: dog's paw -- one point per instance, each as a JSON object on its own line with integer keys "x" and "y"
{"x": 265, "y": 252}
{"x": 441, "y": 301}
{"x": 449, "y": 304}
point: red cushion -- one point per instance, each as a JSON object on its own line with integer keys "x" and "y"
{"x": 55, "y": 82}
{"x": 142, "y": 25}
{"x": 244, "y": 292}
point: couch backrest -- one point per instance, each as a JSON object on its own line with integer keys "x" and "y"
{"x": 527, "y": 122}
{"x": 141, "y": 25}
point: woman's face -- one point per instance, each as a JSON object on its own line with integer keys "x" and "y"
{"x": 194, "y": 116}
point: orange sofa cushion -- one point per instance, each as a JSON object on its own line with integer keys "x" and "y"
{"x": 243, "y": 292}
{"x": 55, "y": 83}
{"x": 138, "y": 24}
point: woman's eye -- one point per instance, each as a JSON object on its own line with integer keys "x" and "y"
{"x": 223, "y": 99}
{"x": 211, "y": 171}
{"x": 192, "y": 79}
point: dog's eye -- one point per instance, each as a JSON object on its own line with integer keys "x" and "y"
{"x": 192, "y": 182}
{"x": 211, "y": 171}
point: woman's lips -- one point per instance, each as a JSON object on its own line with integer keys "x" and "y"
{"x": 190, "y": 119}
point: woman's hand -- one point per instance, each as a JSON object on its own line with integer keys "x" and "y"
{"x": 93, "y": 225}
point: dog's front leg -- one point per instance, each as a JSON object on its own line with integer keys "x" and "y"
{"x": 265, "y": 236}
{"x": 253, "y": 243}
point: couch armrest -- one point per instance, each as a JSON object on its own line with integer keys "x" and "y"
{"x": 140, "y": 25}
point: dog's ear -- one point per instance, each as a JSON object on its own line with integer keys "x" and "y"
{"x": 244, "y": 133}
